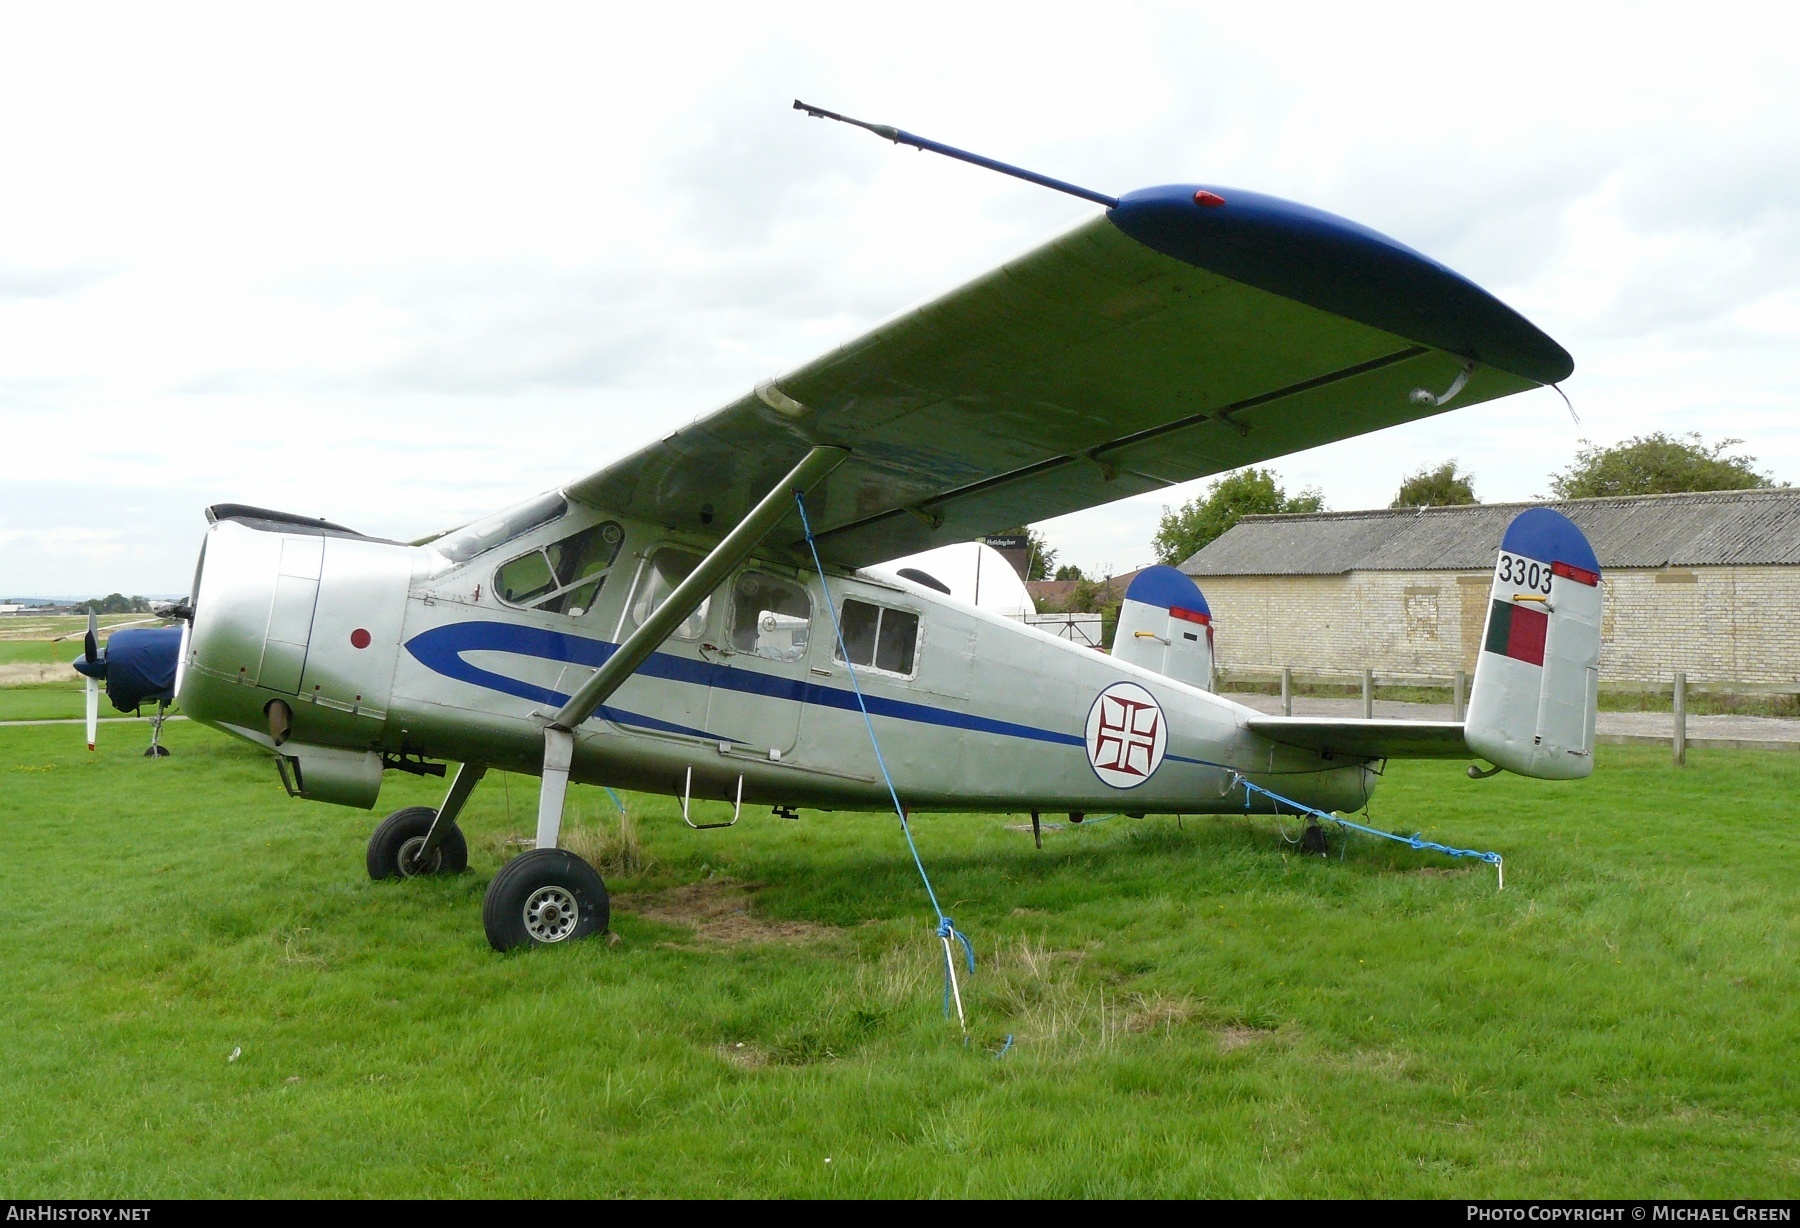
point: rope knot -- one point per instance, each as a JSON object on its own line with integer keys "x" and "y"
{"x": 947, "y": 930}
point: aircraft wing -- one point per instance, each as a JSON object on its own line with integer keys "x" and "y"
{"x": 1163, "y": 341}
{"x": 1359, "y": 739}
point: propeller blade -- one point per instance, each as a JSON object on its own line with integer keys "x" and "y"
{"x": 91, "y": 643}
{"x": 93, "y": 710}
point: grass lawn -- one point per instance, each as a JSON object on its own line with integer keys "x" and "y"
{"x": 48, "y": 701}
{"x": 1195, "y": 1010}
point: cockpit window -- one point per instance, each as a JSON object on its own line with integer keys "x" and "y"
{"x": 668, "y": 568}
{"x": 461, "y": 545}
{"x": 563, "y": 577}
{"x": 770, "y": 617}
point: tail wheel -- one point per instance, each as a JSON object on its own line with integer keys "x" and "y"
{"x": 542, "y": 898}
{"x": 394, "y": 848}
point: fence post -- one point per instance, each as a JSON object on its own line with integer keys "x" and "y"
{"x": 1368, "y": 694}
{"x": 1680, "y": 706}
{"x": 1287, "y": 691}
{"x": 1459, "y": 697}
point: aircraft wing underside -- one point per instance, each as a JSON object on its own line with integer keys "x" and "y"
{"x": 1160, "y": 342}
{"x": 1351, "y": 738}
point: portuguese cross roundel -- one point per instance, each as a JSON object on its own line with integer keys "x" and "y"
{"x": 1126, "y": 735}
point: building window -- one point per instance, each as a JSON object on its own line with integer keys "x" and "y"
{"x": 879, "y": 637}
{"x": 770, "y": 617}
{"x": 563, "y": 577}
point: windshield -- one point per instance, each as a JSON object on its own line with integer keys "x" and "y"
{"x": 460, "y": 545}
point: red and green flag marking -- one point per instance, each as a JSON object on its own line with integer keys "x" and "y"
{"x": 1517, "y": 631}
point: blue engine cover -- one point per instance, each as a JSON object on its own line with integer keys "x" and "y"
{"x": 140, "y": 666}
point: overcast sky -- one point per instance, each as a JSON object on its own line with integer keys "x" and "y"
{"x": 399, "y": 266}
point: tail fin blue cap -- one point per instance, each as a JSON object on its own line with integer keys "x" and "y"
{"x": 1548, "y": 536}
{"x": 1163, "y": 586}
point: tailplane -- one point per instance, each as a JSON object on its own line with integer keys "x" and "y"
{"x": 1536, "y": 686}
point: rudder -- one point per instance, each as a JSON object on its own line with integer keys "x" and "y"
{"x": 1533, "y": 705}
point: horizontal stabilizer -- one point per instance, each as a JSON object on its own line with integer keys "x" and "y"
{"x": 1350, "y": 738}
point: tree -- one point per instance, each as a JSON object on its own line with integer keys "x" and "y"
{"x": 1069, "y": 571}
{"x": 1440, "y": 487}
{"x": 1248, "y": 492}
{"x": 1657, "y": 464}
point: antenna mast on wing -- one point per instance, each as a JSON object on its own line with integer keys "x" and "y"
{"x": 901, "y": 137}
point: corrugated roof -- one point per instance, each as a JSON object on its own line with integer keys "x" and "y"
{"x": 1715, "y": 528}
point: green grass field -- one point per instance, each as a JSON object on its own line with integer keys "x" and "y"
{"x": 1195, "y": 1009}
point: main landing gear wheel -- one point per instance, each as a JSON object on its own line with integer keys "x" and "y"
{"x": 394, "y": 848}
{"x": 542, "y": 898}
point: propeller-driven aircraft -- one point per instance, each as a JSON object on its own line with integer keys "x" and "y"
{"x": 137, "y": 667}
{"x": 708, "y": 617}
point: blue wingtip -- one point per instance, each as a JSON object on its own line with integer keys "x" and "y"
{"x": 1337, "y": 265}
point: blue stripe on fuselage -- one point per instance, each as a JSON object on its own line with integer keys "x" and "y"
{"x": 441, "y": 650}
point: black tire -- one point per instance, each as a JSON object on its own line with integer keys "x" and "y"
{"x": 542, "y": 898}
{"x": 394, "y": 843}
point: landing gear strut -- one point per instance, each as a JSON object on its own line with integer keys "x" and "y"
{"x": 156, "y": 750}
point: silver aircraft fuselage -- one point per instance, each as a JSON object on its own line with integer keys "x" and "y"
{"x": 380, "y": 651}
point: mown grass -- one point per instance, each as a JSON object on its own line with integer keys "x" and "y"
{"x": 47, "y": 701}
{"x": 1194, "y": 1009}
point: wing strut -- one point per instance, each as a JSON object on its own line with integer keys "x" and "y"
{"x": 559, "y": 737}
{"x": 901, "y": 136}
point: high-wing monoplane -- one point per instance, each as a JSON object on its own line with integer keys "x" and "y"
{"x": 706, "y": 618}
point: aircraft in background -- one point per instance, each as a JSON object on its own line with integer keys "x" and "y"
{"x": 671, "y": 622}
{"x": 137, "y": 667}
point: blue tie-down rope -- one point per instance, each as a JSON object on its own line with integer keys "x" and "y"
{"x": 946, "y": 928}
{"x": 1414, "y": 841}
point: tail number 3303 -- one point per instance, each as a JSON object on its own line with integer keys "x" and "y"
{"x": 1523, "y": 573}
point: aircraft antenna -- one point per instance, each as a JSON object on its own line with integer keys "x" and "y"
{"x": 902, "y": 137}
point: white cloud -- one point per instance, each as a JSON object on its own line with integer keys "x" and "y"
{"x": 399, "y": 265}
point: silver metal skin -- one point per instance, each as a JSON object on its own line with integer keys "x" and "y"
{"x": 992, "y": 716}
{"x": 675, "y": 610}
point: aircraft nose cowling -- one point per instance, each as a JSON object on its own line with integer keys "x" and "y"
{"x": 309, "y": 620}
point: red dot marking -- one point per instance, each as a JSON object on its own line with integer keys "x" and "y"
{"x": 1211, "y": 199}
{"x": 359, "y": 638}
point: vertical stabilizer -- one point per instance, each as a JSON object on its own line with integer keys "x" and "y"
{"x": 1537, "y": 677}
{"x": 1166, "y": 626}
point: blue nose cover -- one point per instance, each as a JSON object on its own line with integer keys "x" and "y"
{"x": 140, "y": 666}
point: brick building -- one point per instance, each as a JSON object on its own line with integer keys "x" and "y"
{"x": 1706, "y": 583}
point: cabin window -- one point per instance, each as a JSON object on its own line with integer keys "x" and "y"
{"x": 770, "y": 617}
{"x": 879, "y": 637}
{"x": 563, "y": 577}
{"x": 668, "y": 568}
